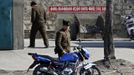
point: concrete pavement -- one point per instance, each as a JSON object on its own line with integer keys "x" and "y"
{"x": 12, "y": 60}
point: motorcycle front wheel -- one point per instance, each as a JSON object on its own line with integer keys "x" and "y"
{"x": 92, "y": 71}
{"x": 42, "y": 70}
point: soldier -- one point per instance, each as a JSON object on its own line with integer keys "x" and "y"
{"x": 38, "y": 19}
{"x": 62, "y": 41}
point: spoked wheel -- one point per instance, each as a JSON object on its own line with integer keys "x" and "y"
{"x": 41, "y": 70}
{"x": 92, "y": 71}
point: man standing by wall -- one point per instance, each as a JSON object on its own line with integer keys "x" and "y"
{"x": 75, "y": 28}
{"x": 38, "y": 19}
{"x": 62, "y": 41}
{"x": 100, "y": 25}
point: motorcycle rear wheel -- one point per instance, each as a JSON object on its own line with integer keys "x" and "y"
{"x": 41, "y": 70}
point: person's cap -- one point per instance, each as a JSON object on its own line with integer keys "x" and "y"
{"x": 33, "y": 3}
{"x": 65, "y": 23}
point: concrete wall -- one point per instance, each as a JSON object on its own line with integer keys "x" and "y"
{"x": 54, "y": 19}
{"x": 121, "y": 8}
{"x": 18, "y": 34}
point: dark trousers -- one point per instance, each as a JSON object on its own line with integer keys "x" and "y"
{"x": 42, "y": 30}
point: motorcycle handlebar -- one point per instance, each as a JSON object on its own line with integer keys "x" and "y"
{"x": 77, "y": 48}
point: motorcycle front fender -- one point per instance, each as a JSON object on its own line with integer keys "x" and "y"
{"x": 89, "y": 65}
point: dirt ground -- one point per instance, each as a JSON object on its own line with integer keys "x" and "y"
{"x": 116, "y": 67}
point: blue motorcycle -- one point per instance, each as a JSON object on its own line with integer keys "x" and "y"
{"x": 75, "y": 63}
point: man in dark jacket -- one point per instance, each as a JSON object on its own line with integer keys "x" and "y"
{"x": 62, "y": 41}
{"x": 75, "y": 28}
{"x": 100, "y": 25}
{"x": 38, "y": 19}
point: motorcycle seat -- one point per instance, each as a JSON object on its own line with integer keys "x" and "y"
{"x": 48, "y": 57}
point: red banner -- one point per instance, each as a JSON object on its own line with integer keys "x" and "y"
{"x": 77, "y": 8}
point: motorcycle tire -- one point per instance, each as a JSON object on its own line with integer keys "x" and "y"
{"x": 40, "y": 70}
{"x": 92, "y": 71}
{"x": 95, "y": 71}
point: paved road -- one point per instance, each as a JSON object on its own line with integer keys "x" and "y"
{"x": 100, "y": 43}
{"x": 19, "y": 60}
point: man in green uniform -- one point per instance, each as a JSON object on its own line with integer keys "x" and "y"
{"x": 38, "y": 19}
{"x": 62, "y": 41}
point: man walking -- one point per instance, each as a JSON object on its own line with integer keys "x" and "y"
{"x": 62, "y": 41}
{"x": 38, "y": 19}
